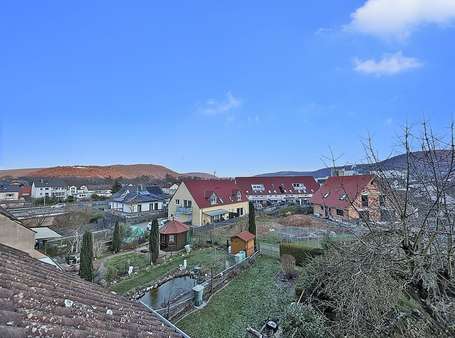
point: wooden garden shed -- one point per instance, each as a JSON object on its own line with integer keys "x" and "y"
{"x": 173, "y": 236}
{"x": 243, "y": 241}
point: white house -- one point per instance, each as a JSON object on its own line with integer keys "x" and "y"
{"x": 134, "y": 200}
{"x": 9, "y": 192}
{"x": 49, "y": 189}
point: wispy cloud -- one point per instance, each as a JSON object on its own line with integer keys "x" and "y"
{"x": 388, "y": 65}
{"x": 213, "y": 107}
{"x": 399, "y": 18}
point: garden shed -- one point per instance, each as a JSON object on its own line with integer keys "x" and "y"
{"x": 243, "y": 241}
{"x": 173, "y": 236}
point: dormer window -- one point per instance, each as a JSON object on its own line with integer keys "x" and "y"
{"x": 213, "y": 199}
{"x": 326, "y": 195}
{"x": 299, "y": 187}
{"x": 257, "y": 187}
{"x": 343, "y": 197}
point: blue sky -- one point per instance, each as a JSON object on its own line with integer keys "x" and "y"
{"x": 236, "y": 87}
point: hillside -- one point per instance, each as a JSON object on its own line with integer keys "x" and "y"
{"x": 397, "y": 162}
{"x": 113, "y": 171}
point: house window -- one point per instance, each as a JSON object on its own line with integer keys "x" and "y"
{"x": 171, "y": 239}
{"x": 364, "y": 215}
{"x": 186, "y": 204}
{"x": 381, "y": 200}
{"x": 177, "y": 202}
{"x": 213, "y": 199}
{"x": 257, "y": 187}
{"x": 340, "y": 212}
{"x": 240, "y": 211}
{"x": 365, "y": 201}
{"x": 156, "y": 206}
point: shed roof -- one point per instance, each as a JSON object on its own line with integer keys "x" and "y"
{"x": 174, "y": 227}
{"x": 39, "y": 300}
{"x": 45, "y": 233}
{"x": 244, "y": 236}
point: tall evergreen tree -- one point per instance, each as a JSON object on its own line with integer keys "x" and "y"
{"x": 154, "y": 241}
{"x": 116, "y": 187}
{"x": 86, "y": 263}
{"x": 251, "y": 219}
{"x": 116, "y": 240}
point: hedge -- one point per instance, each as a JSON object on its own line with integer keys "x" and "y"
{"x": 301, "y": 252}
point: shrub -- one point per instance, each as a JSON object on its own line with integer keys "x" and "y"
{"x": 301, "y": 252}
{"x": 302, "y": 321}
{"x": 288, "y": 265}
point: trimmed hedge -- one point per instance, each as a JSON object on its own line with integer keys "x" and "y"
{"x": 301, "y": 252}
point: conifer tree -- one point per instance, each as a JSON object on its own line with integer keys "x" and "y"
{"x": 154, "y": 241}
{"x": 116, "y": 240}
{"x": 86, "y": 262}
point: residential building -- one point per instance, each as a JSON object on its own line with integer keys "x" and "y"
{"x": 198, "y": 202}
{"x": 278, "y": 188}
{"x": 38, "y": 300}
{"x": 86, "y": 191}
{"x": 14, "y": 234}
{"x": 9, "y": 192}
{"x": 135, "y": 200}
{"x": 170, "y": 190}
{"x": 52, "y": 188}
{"x": 349, "y": 198}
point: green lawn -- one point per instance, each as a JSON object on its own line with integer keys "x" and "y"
{"x": 248, "y": 300}
{"x": 204, "y": 258}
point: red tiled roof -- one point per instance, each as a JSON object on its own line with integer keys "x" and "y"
{"x": 36, "y": 299}
{"x": 173, "y": 227}
{"x": 25, "y": 190}
{"x": 225, "y": 190}
{"x": 331, "y": 193}
{"x": 277, "y": 185}
{"x": 244, "y": 236}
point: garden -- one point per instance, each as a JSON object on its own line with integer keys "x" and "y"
{"x": 254, "y": 296}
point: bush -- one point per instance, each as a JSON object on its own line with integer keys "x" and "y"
{"x": 301, "y": 252}
{"x": 111, "y": 274}
{"x": 302, "y": 321}
{"x": 288, "y": 265}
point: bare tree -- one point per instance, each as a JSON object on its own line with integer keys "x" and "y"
{"x": 410, "y": 255}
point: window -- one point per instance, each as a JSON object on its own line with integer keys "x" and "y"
{"x": 156, "y": 206}
{"x": 340, "y": 212}
{"x": 186, "y": 203}
{"x": 365, "y": 201}
{"x": 299, "y": 186}
{"x": 240, "y": 211}
{"x": 364, "y": 215}
{"x": 326, "y": 195}
{"x": 171, "y": 239}
{"x": 381, "y": 200}
{"x": 213, "y": 199}
{"x": 257, "y": 187}
{"x": 343, "y": 197}
{"x": 282, "y": 189}
{"x": 177, "y": 202}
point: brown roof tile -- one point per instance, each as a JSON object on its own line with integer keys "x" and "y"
{"x": 38, "y": 300}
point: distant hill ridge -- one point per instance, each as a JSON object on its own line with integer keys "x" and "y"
{"x": 397, "y": 162}
{"x": 94, "y": 171}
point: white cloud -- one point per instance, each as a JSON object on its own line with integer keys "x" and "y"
{"x": 398, "y": 18}
{"x": 220, "y": 107}
{"x": 388, "y": 65}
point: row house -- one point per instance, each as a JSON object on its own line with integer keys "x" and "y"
{"x": 52, "y": 188}
{"x": 199, "y": 202}
{"x": 261, "y": 189}
{"x": 85, "y": 192}
{"x": 9, "y": 192}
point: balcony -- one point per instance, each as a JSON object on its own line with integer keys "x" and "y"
{"x": 184, "y": 211}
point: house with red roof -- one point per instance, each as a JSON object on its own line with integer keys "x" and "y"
{"x": 199, "y": 202}
{"x": 278, "y": 188}
{"x": 349, "y": 198}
